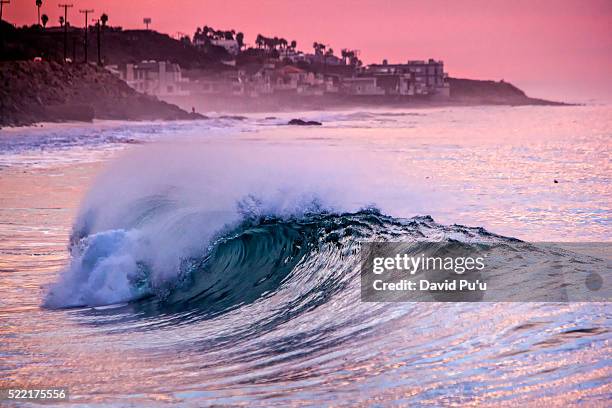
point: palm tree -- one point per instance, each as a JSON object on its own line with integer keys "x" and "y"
{"x": 38, "y": 4}
{"x": 61, "y": 21}
{"x": 318, "y": 48}
{"x": 293, "y": 45}
{"x": 44, "y": 18}
{"x": 240, "y": 40}
{"x": 197, "y": 34}
{"x": 103, "y": 19}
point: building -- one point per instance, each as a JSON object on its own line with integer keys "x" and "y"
{"x": 427, "y": 77}
{"x": 361, "y": 86}
{"x": 230, "y": 45}
{"x": 324, "y": 59}
{"x": 291, "y": 55}
{"x": 395, "y": 84}
{"x": 287, "y": 78}
{"x": 159, "y": 78}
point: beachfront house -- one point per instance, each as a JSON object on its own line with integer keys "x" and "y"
{"x": 426, "y": 77}
{"x": 361, "y": 86}
{"x": 159, "y": 78}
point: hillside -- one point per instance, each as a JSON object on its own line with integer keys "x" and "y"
{"x": 472, "y": 91}
{"x": 117, "y": 46}
{"x": 33, "y": 92}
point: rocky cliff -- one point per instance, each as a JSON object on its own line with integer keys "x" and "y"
{"x": 33, "y": 92}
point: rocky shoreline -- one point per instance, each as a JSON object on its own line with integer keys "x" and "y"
{"x": 32, "y": 92}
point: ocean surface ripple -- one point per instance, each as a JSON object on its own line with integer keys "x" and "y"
{"x": 225, "y": 269}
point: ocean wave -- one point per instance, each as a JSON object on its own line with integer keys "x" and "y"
{"x": 220, "y": 228}
{"x": 234, "y": 265}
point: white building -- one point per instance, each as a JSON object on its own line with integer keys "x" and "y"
{"x": 159, "y": 78}
{"x": 231, "y": 46}
{"x": 428, "y": 77}
{"x": 361, "y": 86}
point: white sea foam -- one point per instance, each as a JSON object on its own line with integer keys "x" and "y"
{"x": 162, "y": 203}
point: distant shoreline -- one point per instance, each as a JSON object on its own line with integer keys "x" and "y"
{"x": 237, "y": 105}
{"x": 51, "y": 92}
{"x": 463, "y": 92}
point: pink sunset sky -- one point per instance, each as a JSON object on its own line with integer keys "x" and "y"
{"x": 559, "y": 49}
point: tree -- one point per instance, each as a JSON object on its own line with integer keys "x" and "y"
{"x": 350, "y": 57}
{"x": 38, "y": 4}
{"x": 240, "y": 40}
{"x": 293, "y": 45}
{"x": 44, "y": 18}
{"x": 61, "y": 21}
{"x": 319, "y": 48}
{"x": 99, "y": 26}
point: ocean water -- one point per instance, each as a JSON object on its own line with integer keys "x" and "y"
{"x": 217, "y": 261}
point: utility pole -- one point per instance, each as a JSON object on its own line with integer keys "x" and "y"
{"x": 66, "y": 7}
{"x": 2, "y": 3}
{"x": 86, "y": 12}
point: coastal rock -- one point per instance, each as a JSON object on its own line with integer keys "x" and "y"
{"x": 46, "y": 91}
{"x": 300, "y": 122}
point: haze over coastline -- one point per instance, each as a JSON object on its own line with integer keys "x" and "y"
{"x": 560, "y": 50}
